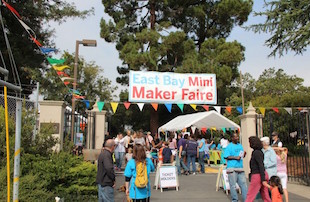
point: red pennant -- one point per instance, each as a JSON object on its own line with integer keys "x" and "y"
{"x": 299, "y": 108}
{"x": 275, "y": 109}
{"x": 155, "y": 106}
{"x": 78, "y": 97}
{"x": 62, "y": 74}
{"x": 204, "y": 130}
{"x": 228, "y": 108}
{"x": 11, "y": 9}
{"x": 66, "y": 82}
{"x": 206, "y": 107}
{"x": 127, "y": 105}
{"x": 36, "y": 41}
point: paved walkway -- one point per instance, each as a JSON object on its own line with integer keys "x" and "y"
{"x": 201, "y": 188}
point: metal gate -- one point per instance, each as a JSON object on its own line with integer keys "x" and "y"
{"x": 293, "y": 129}
{"x": 84, "y": 129}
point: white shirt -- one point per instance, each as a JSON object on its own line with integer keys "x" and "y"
{"x": 224, "y": 143}
{"x": 119, "y": 145}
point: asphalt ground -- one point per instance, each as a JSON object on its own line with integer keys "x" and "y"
{"x": 197, "y": 188}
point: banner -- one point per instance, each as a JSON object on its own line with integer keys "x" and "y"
{"x": 166, "y": 87}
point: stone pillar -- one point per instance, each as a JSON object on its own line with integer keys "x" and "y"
{"x": 99, "y": 124}
{"x": 52, "y": 114}
{"x": 248, "y": 129}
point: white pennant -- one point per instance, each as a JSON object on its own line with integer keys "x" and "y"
{"x": 289, "y": 110}
{"x": 140, "y": 105}
{"x": 193, "y": 129}
{"x": 28, "y": 29}
{"x": 218, "y": 109}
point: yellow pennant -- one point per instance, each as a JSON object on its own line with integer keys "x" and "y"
{"x": 114, "y": 106}
{"x": 262, "y": 110}
{"x": 194, "y": 106}
{"x": 213, "y": 128}
{"x": 60, "y": 68}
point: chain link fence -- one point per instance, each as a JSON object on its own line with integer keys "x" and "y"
{"x": 27, "y": 104}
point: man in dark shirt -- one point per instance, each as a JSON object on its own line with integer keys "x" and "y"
{"x": 181, "y": 154}
{"x": 167, "y": 153}
{"x": 105, "y": 173}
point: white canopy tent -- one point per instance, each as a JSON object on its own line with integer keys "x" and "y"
{"x": 199, "y": 120}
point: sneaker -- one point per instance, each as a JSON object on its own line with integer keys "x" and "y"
{"x": 194, "y": 173}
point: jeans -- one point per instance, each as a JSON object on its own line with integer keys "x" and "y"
{"x": 237, "y": 177}
{"x": 105, "y": 194}
{"x": 191, "y": 158}
{"x": 257, "y": 186}
{"x": 180, "y": 162}
{"x": 202, "y": 161}
{"x": 119, "y": 156}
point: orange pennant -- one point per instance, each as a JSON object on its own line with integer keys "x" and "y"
{"x": 228, "y": 108}
{"x": 66, "y": 82}
{"x": 127, "y": 105}
{"x": 155, "y": 106}
{"x": 36, "y": 41}
{"x": 206, "y": 107}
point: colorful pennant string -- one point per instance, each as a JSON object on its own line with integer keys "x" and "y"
{"x": 194, "y": 106}
{"x": 100, "y": 105}
{"x": 114, "y": 106}
{"x": 127, "y": 105}
{"x": 86, "y": 103}
{"x": 168, "y": 106}
{"x": 239, "y": 109}
{"x": 181, "y": 106}
{"x": 60, "y": 68}
{"x": 206, "y": 107}
{"x": 54, "y": 61}
{"x": 228, "y": 109}
{"x": 155, "y": 106}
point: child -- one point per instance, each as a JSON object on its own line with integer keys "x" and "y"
{"x": 276, "y": 188}
{"x": 128, "y": 156}
{"x": 207, "y": 150}
{"x": 167, "y": 153}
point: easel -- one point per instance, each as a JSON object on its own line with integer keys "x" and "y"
{"x": 221, "y": 182}
{"x": 157, "y": 182}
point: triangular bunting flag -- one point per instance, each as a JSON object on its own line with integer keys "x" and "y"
{"x": 66, "y": 82}
{"x": 54, "y": 61}
{"x": 203, "y": 130}
{"x": 66, "y": 78}
{"x": 36, "y": 41}
{"x": 78, "y": 96}
{"x": 262, "y": 110}
{"x": 299, "y": 108}
{"x": 213, "y": 128}
{"x": 181, "y": 106}
{"x": 140, "y": 105}
{"x": 114, "y": 106}
{"x": 206, "y": 107}
{"x": 218, "y": 109}
{"x": 11, "y": 9}
{"x": 47, "y": 50}
{"x": 60, "y": 68}
{"x": 76, "y": 92}
{"x": 155, "y": 106}
{"x": 100, "y": 105}
{"x": 275, "y": 109}
{"x": 194, "y": 106}
{"x": 86, "y": 103}
{"x": 239, "y": 109}
{"x": 228, "y": 108}
{"x": 59, "y": 73}
{"x": 193, "y": 128}
{"x": 168, "y": 106}
{"x": 224, "y": 130}
{"x": 127, "y": 105}
{"x": 289, "y": 110}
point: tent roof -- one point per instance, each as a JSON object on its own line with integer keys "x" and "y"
{"x": 208, "y": 119}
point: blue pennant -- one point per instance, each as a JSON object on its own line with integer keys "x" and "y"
{"x": 86, "y": 103}
{"x": 168, "y": 106}
{"x": 47, "y": 50}
{"x": 239, "y": 109}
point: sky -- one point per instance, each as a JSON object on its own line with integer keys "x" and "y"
{"x": 106, "y": 56}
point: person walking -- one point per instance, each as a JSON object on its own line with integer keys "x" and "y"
{"x": 234, "y": 155}
{"x": 137, "y": 175}
{"x": 192, "y": 153}
{"x": 181, "y": 153}
{"x": 258, "y": 175}
{"x": 201, "y": 149}
{"x": 270, "y": 157}
{"x": 282, "y": 169}
{"x": 119, "y": 151}
{"x": 105, "y": 173}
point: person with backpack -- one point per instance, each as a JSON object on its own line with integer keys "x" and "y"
{"x": 137, "y": 175}
{"x": 192, "y": 152}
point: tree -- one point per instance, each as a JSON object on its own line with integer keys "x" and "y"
{"x": 90, "y": 82}
{"x": 36, "y": 14}
{"x": 288, "y": 23}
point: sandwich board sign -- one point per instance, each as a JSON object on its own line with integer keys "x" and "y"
{"x": 168, "y": 177}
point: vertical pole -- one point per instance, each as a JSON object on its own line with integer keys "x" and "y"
{"x": 76, "y": 57}
{"x": 241, "y": 85}
{"x": 36, "y": 113}
{"x": 307, "y": 124}
{"x": 7, "y": 143}
{"x": 17, "y": 150}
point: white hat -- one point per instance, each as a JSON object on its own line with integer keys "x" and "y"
{"x": 265, "y": 140}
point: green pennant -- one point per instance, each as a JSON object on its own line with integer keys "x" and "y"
{"x": 181, "y": 106}
{"x": 54, "y": 61}
{"x": 100, "y": 105}
{"x": 224, "y": 130}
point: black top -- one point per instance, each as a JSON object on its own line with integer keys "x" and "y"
{"x": 105, "y": 172}
{"x": 167, "y": 155}
{"x": 257, "y": 164}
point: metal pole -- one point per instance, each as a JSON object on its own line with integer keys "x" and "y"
{"x": 307, "y": 124}
{"x": 241, "y": 83}
{"x": 76, "y": 57}
{"x": 7, "y": 143}
{"x": 36, "y": 113}
{"x": 17, "y": 149}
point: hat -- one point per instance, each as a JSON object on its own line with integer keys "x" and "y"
{"x": 274, "y": 133}
{"x": 265, "y": 140}
{"x": 148, "y": 132}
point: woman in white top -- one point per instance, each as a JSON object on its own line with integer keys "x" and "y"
{"x": 139, "y": 139}
{"x": 119, "y": 150}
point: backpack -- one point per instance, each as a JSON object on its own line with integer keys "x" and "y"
{"x": 141, "y": 175}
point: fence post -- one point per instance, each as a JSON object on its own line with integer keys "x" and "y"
{"x": 248, "y": 128}
{"x": 99, "y": 124}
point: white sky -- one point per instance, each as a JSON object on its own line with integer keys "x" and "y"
{"x": 106, "y": 56}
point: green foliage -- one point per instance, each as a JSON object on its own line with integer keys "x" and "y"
{"x": 36, "y": 14}
{"x": 287, "y": 24}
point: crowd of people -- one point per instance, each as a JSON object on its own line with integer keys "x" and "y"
{"x": 139, "y": 153}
